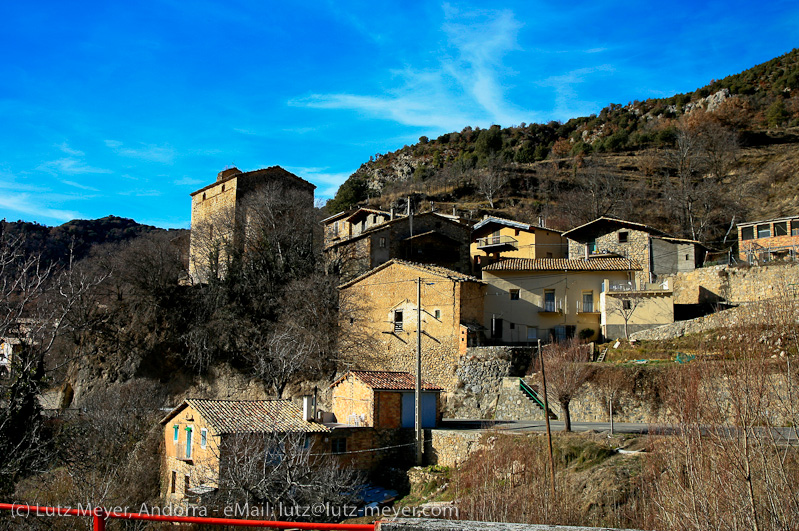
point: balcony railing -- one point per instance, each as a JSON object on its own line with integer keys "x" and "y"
{"x": 497, "y": 243}
{"x": 552, "y": 306}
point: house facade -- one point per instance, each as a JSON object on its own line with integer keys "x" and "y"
{"x": 219, "y": 213}
{"x": 761, "y": 241}
{"x": 383, "y": 400}
{"x": 198, "y": 433}
{"x": 430, "y": 238}
{"x": 549, "y": 298}
{"x": 494, "y": 238}
{"x": 387, "y": 318}
{"x": 625, "y": 310}
{"x": 658, "y": 253}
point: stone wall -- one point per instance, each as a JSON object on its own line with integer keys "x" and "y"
{"x": 513, "y": 404}
{"x": 451, "y": 447}
{"x": 735, "y": 284}
{"x": 480, "y": 375}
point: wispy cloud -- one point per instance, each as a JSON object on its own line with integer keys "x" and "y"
{"x": 567, "y": 101}
{"x": 188, "y": 181}
{"x": 327, "y": 182}
{"x": 29, "y": 205}
{"x": 464, "y": 88}
{"x": 81, "y": 186}
{"x": 69, "y": 151}
{"x": 141, "y": 193}
{"x": 69, "y": 166}
{"x": 149, "y": 152}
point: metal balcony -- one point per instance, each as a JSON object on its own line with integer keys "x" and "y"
{"x": 497, "y": 244}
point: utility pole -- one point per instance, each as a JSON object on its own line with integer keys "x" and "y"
{"x": 546, "y": 416}
{"x": 419, "y": 438}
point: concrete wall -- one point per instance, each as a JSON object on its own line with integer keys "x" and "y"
{"x": 648, "y": 309}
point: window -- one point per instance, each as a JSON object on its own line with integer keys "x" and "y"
{"x": 747, "y": 233}
{"x": 307, "y": 443}
{"x": 496, "y": 328}
{"x": 795, "y": 228}
{"x": 175, "y": 438}
{"x": 437, "y": 314}
{"x": 186, "y": 484}
{"x": 223, "y": 187}
{"x": 763, "y": 231}
{"x": 623, "y": 237}
{"x": 203, "y": 437}
{"x": 398, "y": 320}
{"x": 203, "y": 196}
{"x": 549, "y": 300}
{"x": 781, "y": 229}
{"x": 338, "y": 445}
{"x": 512, "y": 326}
{"x": 532, "y": 333}
{"x": 173, "y": 485}
{"x": 591, "y": 247}
{"x": 188, "y": 442}
{"x": 514, "y": 294}
{"x": 588, "y": 301}
{"x": 382, "y": 242}
{"x": 549, "y": 255}
{"x": 626, "y": 304}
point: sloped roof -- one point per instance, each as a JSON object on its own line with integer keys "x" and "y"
{"x": 272, "y": 172}
{"x": 366, "y": 211}
{"x": 563, "y": 264}
{"x": 442, "y": 272}
{"x": 595, "y": 226}
{"x": 772, "y": 220}
{"x": 388, "y": 381}
{"x": 510, "y": 223}
{"x": 249, "y": 416}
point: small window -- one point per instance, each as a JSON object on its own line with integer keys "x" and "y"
{"x": 338, "y": 445}
{"x": 626, "y": 304}
{"x": 532, "y": 332}
{"x": 203, "y": 437}
{"x": 588, "y": 301}
{"x": 623, "y": 236}
{"x": 763, "y": 231}
{"x": 437, "y": 314}
{"x": 177, "y": 430}
{"x": 795, "y": 228}
{"x": 307, "y": 443}
{"x": 781, "y": 229}
{"x": 382, "y": 242}
{"x": 748, "y": 233}
{"x": 188, "y": 442}
{"x": 186, "y": 483}
{"x": 223, "y": 187}
{"x": 203, "y": 196}
{"x": 398, "y": 320}
{"x": 549, "y": 255}
{"x": 512, "y": 326}
{"x": 686, "y": 257}
{"x": 174, "y": 484}
{"x": 514, "y": 294}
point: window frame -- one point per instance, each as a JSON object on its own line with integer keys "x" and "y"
{"x": 624, "y": 236}
{"x": 203, "y": 437}
{"x": 764, "y": 227}
{"x": 398, "y": 322}
{"x": 781, "y": 228}
{"x": 515, "y": 294}
{"x": 338, "y": 445}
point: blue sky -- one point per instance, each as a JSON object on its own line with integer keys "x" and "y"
{"x": 125, "y": 108}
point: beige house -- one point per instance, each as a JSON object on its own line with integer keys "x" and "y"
{"x": 220, "y": 213}
{"x": 383, "y": 400}
{"x": 625, "y": 310}
{"x": 196, "y": 433}
{"x": 384, "y": 318}
{"x": 549, "y": 298}
{"x": 494, "y": 238}
{"x": 658, "y": 253}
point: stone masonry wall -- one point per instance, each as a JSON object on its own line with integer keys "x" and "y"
{"x": 451, "y": 447}
{"x": 513, "y": 404}
{"x": 735, "y": 284}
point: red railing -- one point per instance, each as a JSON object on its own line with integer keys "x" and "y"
{"x": 99, "y": 517}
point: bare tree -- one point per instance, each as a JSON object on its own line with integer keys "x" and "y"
{"x": 490, "y": 180}
{"x": 624, "y": 305}
{"x": 567, "y": 370}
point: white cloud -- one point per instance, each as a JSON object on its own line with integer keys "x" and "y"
{"x": 70, "y": 166}
{"x": 150, "y": 152}
{"x": 327, "y": 182}
{"x": 187, "y": 181}
{"x": 81, "y": 186}
{"x": 69, "y": 151}
{"x": 32, "y": 206}
{"x": 567, "y": 102}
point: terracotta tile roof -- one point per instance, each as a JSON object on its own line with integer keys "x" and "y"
{"x": 388, "y": 381}
{"x": 562, "y": 264}
{"x": 425, "y": 268}
{"x": 250, "y": 416}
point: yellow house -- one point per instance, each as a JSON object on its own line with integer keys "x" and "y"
{"x": 196, "y": 431}
{"x": 494, "y": 238}
{"x": 548, "y": 298}
{"x": 386, "y": 318}
{"x": 383, "y": 400}
{"x": 625, "y": 310}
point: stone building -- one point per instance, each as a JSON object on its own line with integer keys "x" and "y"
{"x": 762, "y": 241}
{"x": 198, "y": 432}
{"x": 494, "y": 238}
{"x": 548, "y": 298}
{"x": 430, "y": 238}
{"x": 222, "y": 212}
{"x": 658, "y": 253}
{"x": 386, "y": 298}
{"x": 383, "y": 400}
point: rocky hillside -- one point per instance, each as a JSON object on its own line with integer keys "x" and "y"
{"x": 636, "y": 147}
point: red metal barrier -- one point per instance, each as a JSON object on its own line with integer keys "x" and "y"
{"x": 99, "y": 516}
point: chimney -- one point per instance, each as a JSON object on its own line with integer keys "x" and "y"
{"x": 308, "y": 413}
{"x": 393, "y": 213}
{"x": 408, "y": 209}
{"x": 540, "y": 221}
{"x": 227, "y": 173}
{"x": 586, "y": 251}
{"x": 454, "y": 210}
